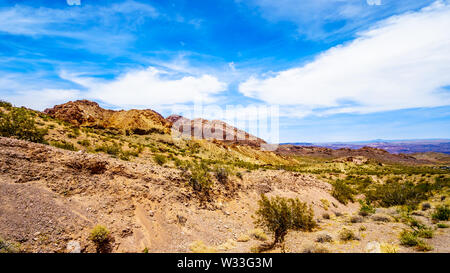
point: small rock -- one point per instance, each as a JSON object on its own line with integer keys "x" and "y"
{"x": 181, "y": 219}
{"x": 151, "y": 213}
{"x": 324, "y": 238}
{"x": 373, "y": 247}
{"x": 380, "y": 218}
{"x": 73, "y": 247}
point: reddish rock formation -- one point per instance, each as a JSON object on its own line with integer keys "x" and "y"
{"x": 90, "y": 114}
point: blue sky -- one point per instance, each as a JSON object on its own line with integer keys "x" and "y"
{"x": 338, "y": 70}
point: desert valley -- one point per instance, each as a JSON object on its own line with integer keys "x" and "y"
{"x": 80, "y": 178}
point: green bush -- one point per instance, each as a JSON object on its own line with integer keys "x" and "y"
{"x": 199, "y": 177}
{"x": 5, "y": 104}
{"x": 63, "y": 145}
{"x": 279, "y": 215}
{"x": 100, "y": 236}
{"x": 222, "y": 174}
{"x": 20, "y": 123}
{"x": 409, "y": 238}
{"x": 342, "y": 192}
{"x": 113, "y": 149}
{"x": 6, "y": 247}
{"x": 84, "y": 143}
{"x": 366, "y": 208}
{"x": 160, "y": 159}
{"x": 441, "y": 213}
{"x": 347, "y": 235}
{"x": 394, "y": 193}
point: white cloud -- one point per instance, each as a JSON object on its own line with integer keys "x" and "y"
{"x": 41, "y": 99}
{"x": 150, "y": 87}
{"x": 403, "y": 62}
{"x": 322, "y": 19}
{"x": 88, "y": 26}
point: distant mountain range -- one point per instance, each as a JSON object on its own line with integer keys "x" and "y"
{"x": 393, "y": 146}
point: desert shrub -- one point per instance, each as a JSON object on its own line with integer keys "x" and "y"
{"x": 366, "y": 208}
{"x": 442, "y": 225}
{"x": 7, "y": 247}
{"x": 258, "y": 234}
{"x": 239, "y": 175}
{"x": 84, "y": 143}
{"x": 422, "y": 246}
{"x": 199, "y": 177}
{"x": 63, "y": 145}
{"x": 5, "y": 104}
{"x": 113, "y": 149}
{"x": 425, "y": 232}
{"x": 20, "y": 123}
{"x": 243, "y": 238}
{"x": 160, "y": 159}
{"x": 426, "y": 206}
{"x": 342, "y": 192}
{"x": 200, "y": 247}
{"x": 222, "y": 174}
{"x": 347, "y": 235}
{"x": 388, "y": 248}
{"x": 408, "y": 238}
{"x": 324, "y": 238}
{"x": 393, "y": 193}
{"x": 279, "y": 215}
{"x": 441, "y": 182}
{"x": 326, "y": 216}
{"x": 441, "y": 213}
{"x": 100, "y": 236}
{"x": 325, "y": 203}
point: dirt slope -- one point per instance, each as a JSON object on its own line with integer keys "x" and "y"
{"x": 51, "y": 196}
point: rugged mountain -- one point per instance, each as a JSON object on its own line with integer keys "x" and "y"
{"x": 213, "y": 130}
{"x": 89, "y": 114}
{"x": 379, "y": 155}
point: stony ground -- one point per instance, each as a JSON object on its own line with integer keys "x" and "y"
{"x": 50, "y": 199}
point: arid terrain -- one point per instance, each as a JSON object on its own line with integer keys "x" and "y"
{"x": 76, "y": 166}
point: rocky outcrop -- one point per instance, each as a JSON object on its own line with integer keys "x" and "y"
{"x": 213, "y": 130}
{"x": 90, "y": 114}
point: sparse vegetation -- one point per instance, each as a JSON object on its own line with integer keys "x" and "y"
{"x": 7, "y": 247}
{"x": 63, "y": 145}
{"x": 279, "y": 215}
{"x": 199, "y": 177}
{"x": 222, "y": 174}
{"x": 200, "y": 247}
{"x": 342, "y": 192}
{"x": 259, "y": 234}
{"x": 366, "y": 208}
{"x": 347, "y": 235}
{"x": 160, "y": 159}
{"x": 100, "y": 236}
{"x": 20, "y": 123}
{"x": 441, "y": 213}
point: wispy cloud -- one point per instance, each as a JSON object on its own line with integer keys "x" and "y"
{"x": 326, "y": 19}
{"x": 91, "y": 26}
{"x": 402, "y": 62}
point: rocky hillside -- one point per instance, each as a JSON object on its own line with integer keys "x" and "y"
{"x": 214, "y": 130}
{"x": 368, "y": 152}
{"x": 59, "y": 179}
{"x": 89, "y": 114}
